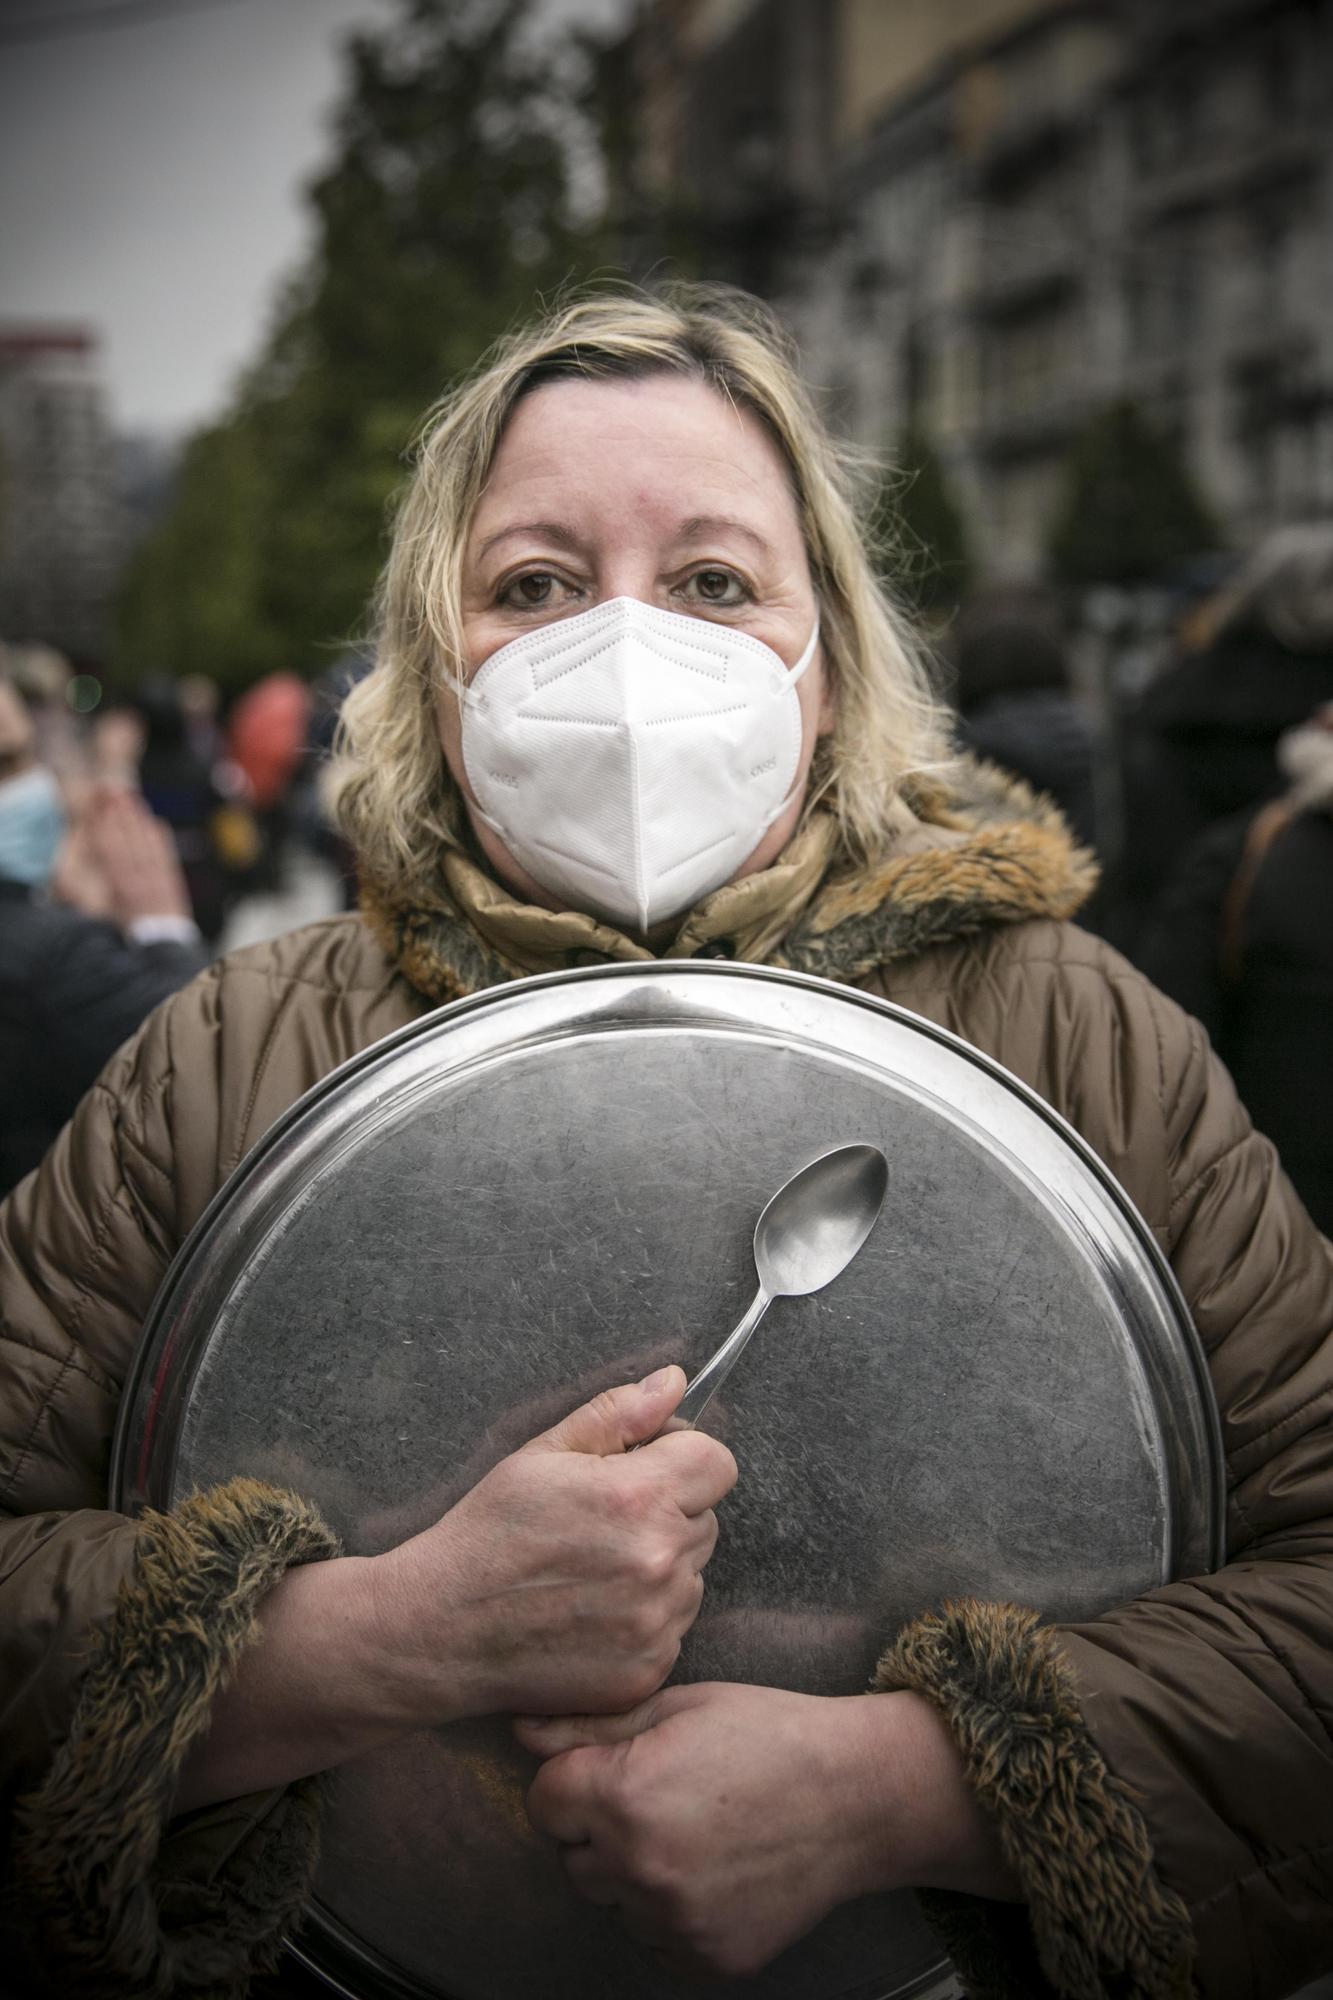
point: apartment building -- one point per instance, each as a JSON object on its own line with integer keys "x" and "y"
{"x": 990, "y": 218}
{"x": 59, "y": 527}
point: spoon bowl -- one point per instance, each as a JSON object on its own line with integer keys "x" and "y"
{"x": 817, "y": 1221}
{"x": 809, "y": 1231}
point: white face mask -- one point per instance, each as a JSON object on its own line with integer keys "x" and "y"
{"x": 631, "y": 759}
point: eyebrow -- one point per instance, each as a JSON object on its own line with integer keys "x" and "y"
{"x": 546, "y": 531}
{"x": 695, "y": 529}
{"x": 700, "y": 525}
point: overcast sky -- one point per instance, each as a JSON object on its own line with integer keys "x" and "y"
{"x": 151, "y": 174}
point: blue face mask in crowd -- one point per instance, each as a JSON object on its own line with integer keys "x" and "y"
{"x": 32, "y": 826}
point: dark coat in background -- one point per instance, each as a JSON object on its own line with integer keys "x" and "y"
{"x": 1202, "y": 746}
{"x": 1044, "y": 737}
{"x": 1015, "y": 704}
{"x": 71, "y": 991}
{"x": 1242, "y": 937}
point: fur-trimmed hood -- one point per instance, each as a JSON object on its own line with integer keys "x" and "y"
{"x": 982, "y": 852}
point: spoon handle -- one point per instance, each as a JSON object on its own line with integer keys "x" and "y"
{"x": 714, "y": 1373}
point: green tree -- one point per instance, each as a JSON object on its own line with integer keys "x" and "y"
{"x": 192, "y": 598}
{"x": 919, "y": 530}
{"x": 1129, "y": 511}
{"x": 449, "y": 208}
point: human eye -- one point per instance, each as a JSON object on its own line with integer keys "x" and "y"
{"x": 534, "y": 590}
{"x": 714, "y": 585}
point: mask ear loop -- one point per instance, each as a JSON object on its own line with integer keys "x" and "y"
{"x": 467, "y": 699}
{"x": 793, "y": 675}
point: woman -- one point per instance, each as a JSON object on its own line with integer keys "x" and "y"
{"x": 630, "y": 529}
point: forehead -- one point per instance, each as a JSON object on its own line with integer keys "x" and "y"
{"x": 664, "y": 446}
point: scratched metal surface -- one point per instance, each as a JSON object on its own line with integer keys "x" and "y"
{"x": 528, "y": 1198}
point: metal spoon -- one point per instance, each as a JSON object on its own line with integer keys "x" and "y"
{"x": 811, "y": 1229}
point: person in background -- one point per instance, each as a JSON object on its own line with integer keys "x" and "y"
{"x": 267, "y": 739}
{"x": 82, "y": 967}
{"x": 116, "y": 744}
{"x": 40, "y": 675}
{"x": 1242, "y": 936}
{"x": 311, "y": 819}
{"x": 1202, "y": 744}
{"x": 201, "y": 702}
{"x": 1015, "y": 704}
{"x": 180, "y": 788}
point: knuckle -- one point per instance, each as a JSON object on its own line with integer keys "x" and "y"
{"x": 654, "y": 1873}
{"x": 651, "y": 1659}
{"x": 667, "y": 1656}
{"x": 655, "y": 1565}
{"x": 645, "y": 1626}
{"x": 724, "y": 1466}
{"x": 699, "y": 1456}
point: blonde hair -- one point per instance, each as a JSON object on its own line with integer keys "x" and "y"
{"x": 389, "y": 786}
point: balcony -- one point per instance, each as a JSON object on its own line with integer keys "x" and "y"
{"x": 1278, "y": 381}
{"x": 1025, "y": 272}
{"x": 1031, "y": 426}
{"x": 1026, "y": 145}
{"x": 1212, "y": 179}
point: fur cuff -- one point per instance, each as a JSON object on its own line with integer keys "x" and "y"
{"x": 1101, "y": 1921}
{"x": 105, "y": 1911}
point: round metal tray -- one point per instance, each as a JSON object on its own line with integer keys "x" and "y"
{"x": 552, "y": 1187}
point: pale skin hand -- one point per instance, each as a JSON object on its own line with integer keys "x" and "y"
{"x": 119, "y": 861}
{"x": 724, "y": 1822}
{"x": 565, "y": 1580}
{"x": 137, "y": 856}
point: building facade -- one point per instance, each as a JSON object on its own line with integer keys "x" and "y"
{"x": 60, "y": 540}
{"x": 989, "y": 219}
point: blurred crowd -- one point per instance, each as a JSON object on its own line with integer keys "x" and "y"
{"x": 1206, "y": 790}
{"x": 129, "y": 840}
{"x": 1203, "y": 780}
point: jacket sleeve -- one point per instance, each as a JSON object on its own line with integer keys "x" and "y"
{"x": 95, "y": 988}
{"x": 1162, "y": 1776}
{"x": 114, "y": 1633}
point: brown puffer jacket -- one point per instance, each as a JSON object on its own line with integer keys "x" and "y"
{"x": 1162, "y": 1777}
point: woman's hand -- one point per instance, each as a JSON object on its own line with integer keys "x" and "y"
{"x": 726, "y": 1821}
{"x": 568, "y": 1576}
{"x": 565, "y": 1579}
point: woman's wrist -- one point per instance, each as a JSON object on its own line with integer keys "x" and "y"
{"x": 910, "y": 1818}
{"x": 411, "y": 1679}
{"x": 330, "y": 1614}
{"x": 313, "y": 1689}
